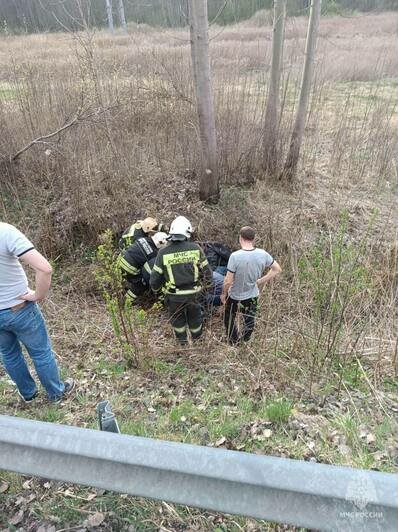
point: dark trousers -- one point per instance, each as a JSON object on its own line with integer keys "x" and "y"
{"x": 185, "y": 314}
{"x": 248, "y": 308}
{"x": 135, "y": 287}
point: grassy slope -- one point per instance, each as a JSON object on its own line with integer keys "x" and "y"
{"x": 208, "y": 396}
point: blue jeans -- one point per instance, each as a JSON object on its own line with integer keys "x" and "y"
{"x": 213, "y": 297}
{"x": 27, "y": 326}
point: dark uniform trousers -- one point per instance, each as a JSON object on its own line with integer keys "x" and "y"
{"x": 185, "y": 314}
{"x": 135, "y": 287}
{"x": 182, "y": 269}
{"x": 248, "y": 309}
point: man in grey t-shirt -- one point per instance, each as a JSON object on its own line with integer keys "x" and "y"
{"x": 21, "y": 321}
{"x": 243, "y": 283}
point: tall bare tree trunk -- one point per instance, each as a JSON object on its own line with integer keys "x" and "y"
{"x": 290, "y": 169}
{"x": 199, "y": 28}
{"x": 122, "y": 18}
{"x": 108, "y": 4}
{"x": 271, "y": 125}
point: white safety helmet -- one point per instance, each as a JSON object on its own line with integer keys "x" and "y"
{"x": 159, "y": 239}
{"x": 181, "y": 226}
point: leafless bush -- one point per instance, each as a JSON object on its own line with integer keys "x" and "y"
{"x": 104, "y": 172}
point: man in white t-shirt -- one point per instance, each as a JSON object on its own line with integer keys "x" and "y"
{"x": 245, "y": 277}
{"x": 21, "y": 321}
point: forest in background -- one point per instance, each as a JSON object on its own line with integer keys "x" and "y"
{"x": 51, "y": 15}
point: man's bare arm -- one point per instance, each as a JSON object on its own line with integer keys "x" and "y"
{"x": 274, "y": 270}
{"x": 228, "y": 282}
{"x": 43, "y": 271}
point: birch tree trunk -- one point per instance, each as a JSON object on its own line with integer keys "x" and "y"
{"x": 271, "y": 125}
{"x": 290, "y": 168}
{"x": 108, "y": 4}
{"x": 199, "y": 30}
{"x": 122, "y": 18}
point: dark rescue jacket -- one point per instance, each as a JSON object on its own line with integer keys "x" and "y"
{"x": 131, "y": 235}
{"x": 136, "y": 258}
{"x": 180, "y": 269}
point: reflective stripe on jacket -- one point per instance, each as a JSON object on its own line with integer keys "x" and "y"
{"x": 137, "y": 256}
{"x": 180, "y": 269}
{"x": 131, "y": 235}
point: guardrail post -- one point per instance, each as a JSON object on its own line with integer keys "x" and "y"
{"x": 106, "y": 418}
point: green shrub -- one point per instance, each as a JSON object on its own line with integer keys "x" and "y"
{"x": 130, "y": 324}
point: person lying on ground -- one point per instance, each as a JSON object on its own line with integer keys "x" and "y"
{"x": 210, "y": 296}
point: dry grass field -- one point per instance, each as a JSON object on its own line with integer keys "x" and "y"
{"x": 321, "y": 371}
{"x": 137, "y": 90}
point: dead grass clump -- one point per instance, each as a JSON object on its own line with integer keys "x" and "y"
{"x": 261, "y": 18}
{"x": 387, "y": 275}
{"x": 363, "y": 25}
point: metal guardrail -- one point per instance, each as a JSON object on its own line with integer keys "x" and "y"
{"x": 276, "y": 489}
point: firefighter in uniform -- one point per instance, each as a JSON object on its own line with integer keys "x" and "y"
{"x": 140, "y": 229}
{"x": 137, "y": 261}
{"x": 180, "y": 270}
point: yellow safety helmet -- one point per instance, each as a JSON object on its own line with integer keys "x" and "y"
{"x": 149, "y": 225}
